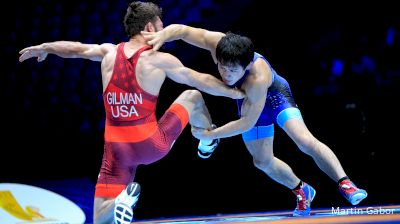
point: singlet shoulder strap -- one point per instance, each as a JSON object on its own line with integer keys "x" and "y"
{"x": 141, "y": 50}
{"x": 136, "y": 54}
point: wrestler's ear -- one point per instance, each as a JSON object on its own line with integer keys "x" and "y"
{"x": 149, "y": 27}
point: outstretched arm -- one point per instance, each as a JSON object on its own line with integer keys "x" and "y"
{"x": 195, "y": 36}
{"x": 176, "y": 71}
{"x": 66, "y": 49}
{"x": 252, "y": 107}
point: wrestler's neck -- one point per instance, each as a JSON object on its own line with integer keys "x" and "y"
{"x": 136, "y": 41}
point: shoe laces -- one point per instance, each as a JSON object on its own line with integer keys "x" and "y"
{"x": 301, "y": 202}
{"x": 348, "y": 187}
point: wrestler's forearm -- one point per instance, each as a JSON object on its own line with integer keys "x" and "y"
{"x": 231, "y": 129}
{"x": 174, "y": 32}
{"x": 191, "y": 35}
{"x": 217, "y": 88}
{"x": 65, "y": 49}
{"x": 211, "y": 85}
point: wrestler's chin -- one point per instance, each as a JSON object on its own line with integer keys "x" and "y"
{"x": 229, "y": 83}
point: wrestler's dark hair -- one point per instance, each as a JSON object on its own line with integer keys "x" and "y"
{"x": 138, "y": 15}
{"x": 235, "y": 49}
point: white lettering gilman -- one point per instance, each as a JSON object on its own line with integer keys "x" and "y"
{"x": 123, "y": 105}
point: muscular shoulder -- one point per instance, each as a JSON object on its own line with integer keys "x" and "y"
{"x": 162, "y": 60}
{"x": 108, "y": 47}
{"x": 259, "y": 80}
{"x": 260, "y": 73}
{"x": 110, "y": 53}
{"x": 108, "y": 50}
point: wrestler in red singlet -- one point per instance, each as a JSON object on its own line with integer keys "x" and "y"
{"x": 132, "y": 134}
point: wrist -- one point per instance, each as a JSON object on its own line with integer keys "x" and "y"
{"x": 178, "y": 32}
{"x": 211, "y": 135}
{"x": 44, "y": 47}
{"x": 236, "y": 94}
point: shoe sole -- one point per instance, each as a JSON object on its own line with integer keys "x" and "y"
{"x": 123, "y": 214}
{"x": 357, "y": 198}
{"x": 203, "y": 156}
{"x": 315, "y": 193}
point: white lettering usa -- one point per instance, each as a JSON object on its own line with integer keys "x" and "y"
{"x": 123, "y": 104}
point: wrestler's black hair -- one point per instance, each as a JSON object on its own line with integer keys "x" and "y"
{"x": 235, "y": 49}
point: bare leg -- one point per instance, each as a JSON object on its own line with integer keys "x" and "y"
{"x": 322, "y": 154}
{"x": 199, "y": 116}
{"x": 103, "y": 211}
{"x": 194, "y": 103}
{"x": 264, "y": 159}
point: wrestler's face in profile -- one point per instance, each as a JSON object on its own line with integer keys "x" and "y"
{"x": 231, "y": 73}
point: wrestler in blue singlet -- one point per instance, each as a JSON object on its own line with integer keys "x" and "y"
{"x": 279, "y": 106}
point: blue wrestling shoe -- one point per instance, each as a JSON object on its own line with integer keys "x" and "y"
{"x": 352, "y": 193}
{"x": 205, "y": 151}
{"x": 305, "y": 195}
{"x": 125, "y": 202}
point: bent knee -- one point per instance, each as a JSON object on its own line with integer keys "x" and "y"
{"x": 192, "y": 95}
{"x": 263, "y": 163}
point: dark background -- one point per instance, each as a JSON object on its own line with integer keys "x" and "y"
{"x": 342, "y": 63}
